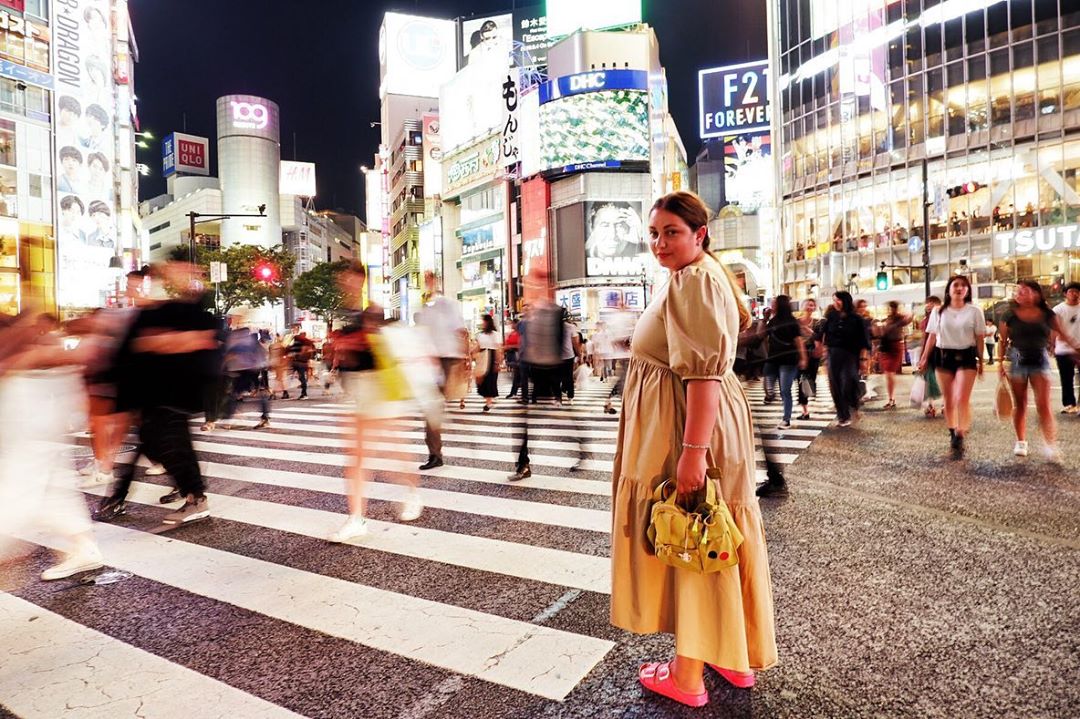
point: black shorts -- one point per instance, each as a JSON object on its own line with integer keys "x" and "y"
{"x": 953, "y": 360}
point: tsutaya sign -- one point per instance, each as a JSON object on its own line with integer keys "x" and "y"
{"x": 1038, "y": 239}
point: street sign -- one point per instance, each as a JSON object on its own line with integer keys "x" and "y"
{"x": 219, "y": 272}
{"x": 914, "y": 244}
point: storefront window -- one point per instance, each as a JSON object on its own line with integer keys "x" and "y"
{"x": 7, "y": 143}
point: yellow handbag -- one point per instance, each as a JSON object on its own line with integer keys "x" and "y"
{"x": 392, "y": 379}
{"x": 705, "y": 540}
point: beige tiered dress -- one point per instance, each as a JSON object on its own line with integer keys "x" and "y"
{"x": 689, "y": 331}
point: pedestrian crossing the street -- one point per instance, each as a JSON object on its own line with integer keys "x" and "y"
{"x": 497, "y": 593}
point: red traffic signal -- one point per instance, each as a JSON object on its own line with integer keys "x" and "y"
{"x": 965, "y": 189}
{"x": 266, "y": 271}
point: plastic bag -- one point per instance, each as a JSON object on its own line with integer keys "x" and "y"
{"x": 918, "y": 391}
{"x": 1003, "y": 400}
{"x": 582, "y": 375}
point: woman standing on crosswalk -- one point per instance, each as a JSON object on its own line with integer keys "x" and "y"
{"x": 358, "y": 367}
{"x": 684, "y": 411}
{"x": 487, "y": 361}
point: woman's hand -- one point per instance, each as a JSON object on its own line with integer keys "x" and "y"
{"x": 690, "y": 476}
{"x": 922, "y": 365}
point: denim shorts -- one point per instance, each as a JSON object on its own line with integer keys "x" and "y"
{"x": 1022, "y": 371}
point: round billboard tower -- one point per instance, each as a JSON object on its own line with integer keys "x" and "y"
{"x": 249, "y": 156}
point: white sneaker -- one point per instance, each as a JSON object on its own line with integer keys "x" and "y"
{"x": 73, "y": 564}
{"x": 155, "y": 470}
{"x": 411, "y": 508}
{"x": 97, "y": 479}
{"x": 354, "y": 528}
{"x": 89, "y": 470}
{"x": 1020, "y": 448}
{"x": 1052, "y": 454}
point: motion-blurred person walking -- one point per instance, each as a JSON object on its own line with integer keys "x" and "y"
{"x": 441, "y": 318}
{"x": 620, "y": 330}
{"x": 245, "y": 361}
{"x": 41, "y": 388}
{"x": 542, "y": 350}
{"x": 1068, "y": 315}
{"x": 170, "y": 353}
{"x": 512, "y": 352}
{"x": 787, "y": 352}
{"x": 299, "y": 354}
{"x": 810, "y": 328}
{"x": 846, "y": 336}
{"x": 487, "y": 357}
{"x": 891, "y": 348}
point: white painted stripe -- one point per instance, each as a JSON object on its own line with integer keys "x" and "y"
{"x": 557, "y": 515}
{"x": 597, "y": 422}
{"x": 534, "y": 659}
{"x": 297, "y": 426}
{"x": 524, "y": 561}
{"x": 51, "y": 666}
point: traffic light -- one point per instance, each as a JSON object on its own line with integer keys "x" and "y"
{"x": 965, "y": 189}
{"x": 882, "y": 279}
{"x": 266, "y": 271}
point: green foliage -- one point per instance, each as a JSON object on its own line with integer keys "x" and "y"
{"x": 243, "y": 287}
{"x": 317, "y": 290}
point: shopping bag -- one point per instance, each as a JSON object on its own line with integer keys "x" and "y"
{"x": 483, "y": 364}
{"x": 582, "y": 375}
{"x": 918, "y": 391}
{"x": 806, "y": 388}
{"x": 1003, "y": 400}
{"x": 457, "y": 382}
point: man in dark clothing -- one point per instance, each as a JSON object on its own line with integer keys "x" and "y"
{"x": 300, "y": 353}
{"x": 168, "y": 355}
{"x": 846, "y": 334}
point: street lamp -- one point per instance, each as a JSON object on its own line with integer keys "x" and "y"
{"x": 193, "y": 219}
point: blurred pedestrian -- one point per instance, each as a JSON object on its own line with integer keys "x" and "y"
{"x": 620, "y": 330}
{"x": 685, "y": 412}
{"x": 810, "y": 327}
{"x": 442, "y": 320}
{"x": 847, "y": 340}
{"x": 916, "y": 344}
{"x": 569, "y": 355}
{"x": 245, "y": 361}
{"x": 542, "y": 346}
{"x": 1068, "y": 315}
{"x": 1026, "y": 329}
{"x": 600, "y": 349}
{"x": 41, "y": 389}
{"x": 787, "y": 352}
{"x": 299, "y": 354}
{"x": 512, "y": 352}
{"x": 891, "y": 348}
{"x": 487, "y": 357}
{"x": 374, "y": 388}
{"x": 955, "y": 334}
{"x": 168, "y": 355}
{"x": 992, "y": 338}
{"x": 276, "y": 353}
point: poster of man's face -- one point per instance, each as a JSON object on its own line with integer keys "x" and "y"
{"x": 614, "y": 229}
{"x": 493, "y": 35}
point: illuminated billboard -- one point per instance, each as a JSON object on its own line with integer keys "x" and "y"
{"x": 487, "y": 36}
{"x": 734, "y": 99}
{"x": 416, "y": 54}
{"x": 84, "y": 109}
{"x": 566, "y": 16}
{"x": 594, "y": 129}
{"x": 297, "y": 178}
{"x": 748, "y": 171}
{"x": 614, "y": 239}
{"x": 187, "y": 154}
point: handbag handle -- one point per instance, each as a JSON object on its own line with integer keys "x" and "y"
{"x": 662, "y": 493}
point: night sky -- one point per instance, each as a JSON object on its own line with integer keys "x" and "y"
{"x": 319, "y": 61}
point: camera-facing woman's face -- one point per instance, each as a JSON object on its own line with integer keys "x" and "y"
{"x": 672, "y": 241}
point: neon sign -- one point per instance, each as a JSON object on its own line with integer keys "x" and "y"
{"x": 249, "y": 115}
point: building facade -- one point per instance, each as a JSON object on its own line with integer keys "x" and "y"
{"x": 980, "y": 98}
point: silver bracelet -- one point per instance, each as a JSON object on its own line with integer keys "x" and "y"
{"x": 696, "y": 446}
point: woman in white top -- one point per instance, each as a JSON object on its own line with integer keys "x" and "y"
{"x": 955, "y": 334}
{"x": 487, "y": 356}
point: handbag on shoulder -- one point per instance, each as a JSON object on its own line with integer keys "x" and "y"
{"x": 703, "y": 540}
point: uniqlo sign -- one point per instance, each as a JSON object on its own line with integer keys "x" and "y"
{"x": 185, "y": 154}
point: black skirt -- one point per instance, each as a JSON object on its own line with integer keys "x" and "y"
{"x": 489, "y": 385}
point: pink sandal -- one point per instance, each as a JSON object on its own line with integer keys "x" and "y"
{"x": 656, "y": 677}
{"x": 743, "y": 680}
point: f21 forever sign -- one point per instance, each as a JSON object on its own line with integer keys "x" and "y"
{"x": 734, "y": 100}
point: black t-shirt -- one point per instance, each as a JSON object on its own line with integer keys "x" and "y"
{"x": 846, "y": 331}
{"x": 352, "y": 350}
{"x": 177, "y": 381}
{"x": 782, "y": 335}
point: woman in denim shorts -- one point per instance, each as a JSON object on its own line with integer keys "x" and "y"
{"x": 1026, "y": 328}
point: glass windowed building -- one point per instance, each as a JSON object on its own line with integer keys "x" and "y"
{"x": 983, "y": 96}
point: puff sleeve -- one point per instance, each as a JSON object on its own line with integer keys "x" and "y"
{"x": 698, "y": 317}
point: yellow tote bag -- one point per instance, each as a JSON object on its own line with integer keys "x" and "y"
{"x": 392, "y": 380}
{"x": 705, "y": 540}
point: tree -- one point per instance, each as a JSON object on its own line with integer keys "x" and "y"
{"x": 242, "y": 286}
{"x": 317, "y": 290}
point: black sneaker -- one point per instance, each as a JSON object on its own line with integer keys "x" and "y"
{"x": 263, "y": 423}
{"x": 804, "y": 416}
{"x": 284, "y": 395}
{"x": 109, "y": 509}
{"x": 957, "y": 446}
{"x": 171, "y": 497}
{"x": 432, "y": 462}
{"x": 772, "y": 489}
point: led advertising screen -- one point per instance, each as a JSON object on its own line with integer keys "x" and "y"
{"x": 531, "y": 41}
{"x": 85, "y": 157}
{"x": 748, "y": 171}
{"x": 734, "y": 99}
{"x": 595, "y": 129}
{"x": 416, "y": 54}
{"x": 614, "y": 239}
{"x": 487, "y": 36}
{"x": 566, "y": 16}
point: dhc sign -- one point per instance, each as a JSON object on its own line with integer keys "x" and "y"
{"x": 592, "y": 82}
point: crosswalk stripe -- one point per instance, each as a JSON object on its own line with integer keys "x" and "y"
{"x": 56, "y": 667}
{"x": 557, "y": 515}
{"x": 324, "y": 428}
{"x": 524, "y": 561}
{"x": 534, "y": 659}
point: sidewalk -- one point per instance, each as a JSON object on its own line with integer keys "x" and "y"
{"x": 911, "y": 585}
